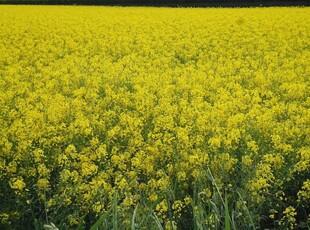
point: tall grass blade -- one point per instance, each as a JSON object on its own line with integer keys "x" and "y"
{"x": 133, "y": 225}
{"x": 115, "y": 214}
{"x": 160, "y": 227}
{"x": 248, "y": 212}
{"x": 98, "y": 223}
{"x": 227, "y": 218}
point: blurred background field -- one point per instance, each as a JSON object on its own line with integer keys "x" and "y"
{"x": 171, "y": 3}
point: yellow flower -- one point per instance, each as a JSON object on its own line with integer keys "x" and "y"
{"x": 17, "y": 184}
{"x": 304, "y": 192}
{"x": 153, "y": 197}
{"x": 43, "y": 184}
{"x": 289, "y": 217}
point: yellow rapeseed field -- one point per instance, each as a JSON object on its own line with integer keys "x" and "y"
{"x": 154, "y": 118}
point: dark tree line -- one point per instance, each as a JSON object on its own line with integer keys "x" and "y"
{"x": 173, "y": 3}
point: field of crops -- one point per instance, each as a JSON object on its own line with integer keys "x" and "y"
{"x": 154, "y": 118}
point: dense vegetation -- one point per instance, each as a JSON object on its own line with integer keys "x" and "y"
{"x": 147, "y": 118}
